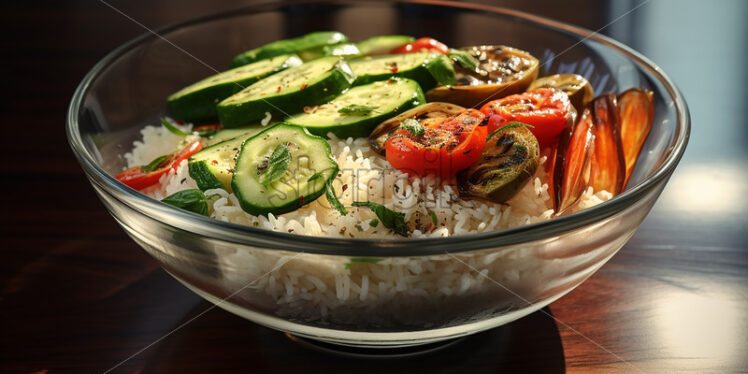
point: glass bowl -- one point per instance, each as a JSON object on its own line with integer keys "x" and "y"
{"x": 424, "y": 290}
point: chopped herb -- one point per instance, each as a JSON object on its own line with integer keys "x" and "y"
{"x": 192, "y": 200}
{"x": 153, "y": 165}
{"x": 330, "y": 194}
{"x": 519, "y": 148}
{"x": 509, "y": 125}
{"x": 465, "y": 59}
{"x": 356, "y": 109}
{"x": 256, "y": 224}
{"x": 276, "y": 165}
{"x": 172, "y": 129}
{"x": 413, "y": 126}
{"x": 390, "y": 219}
{"x": 362, "y": 260}
{"x": 433, "y": 217}
{"x": 374, "y": 222}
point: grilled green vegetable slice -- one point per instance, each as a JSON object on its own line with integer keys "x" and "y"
{"x": 509, "y": 160}
{"x": 426, "y": 68}
{"x": 308, "y": 47}
{"x": 383, "y": 44}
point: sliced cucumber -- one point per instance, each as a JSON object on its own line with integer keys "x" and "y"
{"x": 347, "y": 50}
{"x": 426, "y": 68}
{"x": 197, "y": 102}
{"x": 383, "y": 44}
{"x": 311, "y": 166}
{"x": 358, "y": 111}
{"x": 227, "y": 134}
{"x": 308, "y": 47}
{"x": 310, "y": 84}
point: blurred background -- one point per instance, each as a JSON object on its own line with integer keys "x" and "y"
{"x": 49, "y": 46}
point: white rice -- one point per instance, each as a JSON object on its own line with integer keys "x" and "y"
{"x": 314, "y": 287}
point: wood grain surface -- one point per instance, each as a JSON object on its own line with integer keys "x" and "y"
{"x": 77, "y": 295}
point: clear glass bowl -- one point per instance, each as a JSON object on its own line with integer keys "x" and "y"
{"x": 426, "y": 290}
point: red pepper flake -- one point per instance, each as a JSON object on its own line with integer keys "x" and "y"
{"x": 301, "y": 200}
{"x": 393, "y": 68}
{"x": 345, "y": 187}
{"x": 303, "y": 86}
{"x": 279, "y": 89}
{"x": 230, "y": 170}
{"x": 215, "y": 162}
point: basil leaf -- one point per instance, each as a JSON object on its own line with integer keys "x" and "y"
{"x": 465, "y": 59}
{"x": 413, "y": 126}
{"x": 172, "y": 129}
{"x": 276, "y": 166}
{"x": 330, "y": 194}
{"x": 362, "y": 260}
{"x": 193, "y": 200}
{"x": 442, "y": 69}
{"x": 509, "y": 125}
{"x": 433, "y": 217}
{"x": 153, "y": 165}
{"x": 374, "y": 222}
{"x": 389, "y": 218}
{"x": 356, "y": 109}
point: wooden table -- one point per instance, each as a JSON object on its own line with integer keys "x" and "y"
{"x": 77, "y": 295}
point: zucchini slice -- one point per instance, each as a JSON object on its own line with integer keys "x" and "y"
{"x": 346, "y": 50}
{"x": 197, "y": 102}
{"x": 307, "y": 169}
{"x": 308, "y": 47}
{"x": 227, "y": 134}
{"x": 289, "y": 91}
{"x": 426, "y": 68}
{"x": 213, "y": 166}
{"x": 358, "y": 111}
{"x": 382, "y": 44}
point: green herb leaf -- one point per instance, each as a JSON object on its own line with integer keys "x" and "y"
{"x": 465, "y": 59}
{"x": 153, "y": 165}
{"x": 509, "y": 125}
{"x": 276, "y": 165}
{"x": 172, "y": 129}
{"x": 374, "y": 222}
{"x": 355, "y": 109}
{"x": 433, "y": 217}
{"x": 330, "y": 194}
{"x": 362, "y": 260}
{"x": 442, "y": 69}
{"x": 192, "y": 200}
{"x": 390, "y": 219}
{"x": 413, "y": 126}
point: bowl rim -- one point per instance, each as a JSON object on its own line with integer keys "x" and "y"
{"x": 362, "y": 247}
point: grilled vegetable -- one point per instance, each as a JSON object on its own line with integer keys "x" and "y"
{"x": 140, "y": 177}
{"x": 501, "y": 71}
{"x": 547, "y": 110}
{"x": 421, "y": 45}
{"x": 572, "y": 162}
{"x": 423, "y": 114}
{"x": 426, "y": 68}
{"x": 636, "y": 110}
{"x": 378, "y": 45}
{"x": 438, "y": 146}
{"x": 509, "y": 160}
{"x": 579, "y": 89}
{"x": 607, "y": 167}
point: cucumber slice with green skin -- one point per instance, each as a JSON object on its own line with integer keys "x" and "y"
{"x": 346, "y": 50}
{"x": 227, "y": 134}
{"x": 308, "y": 47}
{"x": 310, "y": 168}
{"x": 289, "y": 91}
{"x": 426, "y": 68}
{"x": 384, "y": 99}
{"x": 213, "y": 166}
{"x": 383, "y": 44}
{"x": 196, "y": 103}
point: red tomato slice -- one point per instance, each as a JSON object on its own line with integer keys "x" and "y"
{"x": 422, "y": 44}
{"x": 546, "y": 109}
{"x": 139, "y": 179}
{"x": 445, "y": 147}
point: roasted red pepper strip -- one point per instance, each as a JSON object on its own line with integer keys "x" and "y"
{"x": 572, "y": 162}
{"x": 445, "y": 147}
{"x": 137, "y": 178}
{"x": 607, "y": 168}
{"x": 636, "y": 110}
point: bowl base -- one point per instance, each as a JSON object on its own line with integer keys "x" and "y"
{"x": 385, "y": 352}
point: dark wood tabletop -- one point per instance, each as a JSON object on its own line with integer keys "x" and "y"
{"x": 77, "y": 295}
